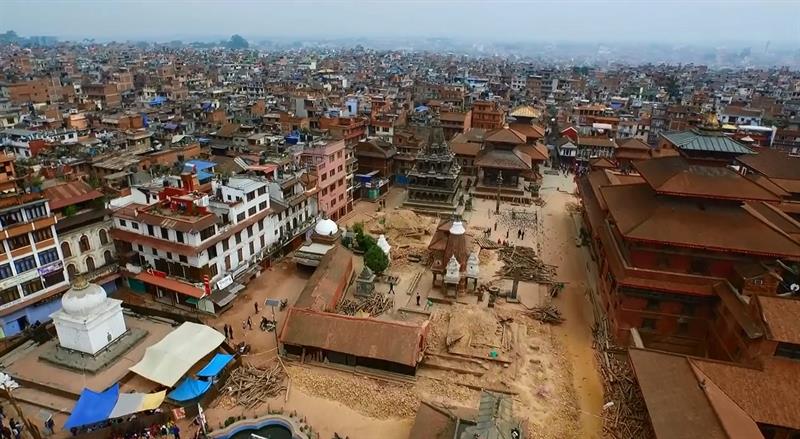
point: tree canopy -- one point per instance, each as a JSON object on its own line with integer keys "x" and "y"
{"x": 237, "y": 42}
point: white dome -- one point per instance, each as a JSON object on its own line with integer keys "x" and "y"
{"x": 82, "y": 298}
{"x": 457, "y": 228}
{"x": 326, "y": 227}
{"x": 384, "y": 244}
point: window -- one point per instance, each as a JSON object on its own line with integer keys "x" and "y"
{"x": 240, "y": 217}
{"x": 683, "y": 326}
{"x": 262, "y": 205}
{"x": 9, "y": 295}
{"x": 698, "y": 266}
{"x": 250, "y": 231}
{"x": 207, "y": 233}
{"x": 5, "y": 271}
{"x": 212, "y": 270}
{"x": 183, "y": 259}
{"x": 90, "y": 264}
{"x": 224, "y": 245}
{"x": 154, "y": 251}
{"x": 123, "y": 223}
{"x": 25, "y": 264}
{"x": 19, "y": 241}
{"x": 251, "y": 211}
{"x": 36, "y": 211}
{"x": 262, "y": 190}
{"x": 53, "y": 278}
{"x": 139, "y": 246}
{"x": 179, "y": 236}
{"x": 31, "y": 286}
{"x": 84, "y": 243}
{"x": 164, "y": 233}
{"x": 107, "y": 258}
{"x": 324, "y": 177}
{"x": 135, "y": 225}
{"x": 333, "y": 171}
{"x": 240, "y": 254}
{"x": 652, "y": 305}
{"x": 252, "y": 249}
{"x": 150, "y": 230}
{"x": 48, "y": 256}
{"x": 42, "y": 234}
{"x": 340, "y": 168}
{"x": 648, "y": 324}
{"x": 212, "y": 252}
{"x": 238, "y": 237}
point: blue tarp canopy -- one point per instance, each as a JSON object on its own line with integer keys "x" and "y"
{"x": 93, "y": 407}
{"x": 421, "y": 109}
{"x": 189, "y": 388}
{"x": 158, "y": 100}
{"x": 215, "y": 366}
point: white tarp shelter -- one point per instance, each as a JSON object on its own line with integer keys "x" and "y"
{"x": 168, "y": 360}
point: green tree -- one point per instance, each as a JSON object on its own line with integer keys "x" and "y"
{"x": 365, "y": 242}
{"x": 376, "y": 259}
{"x": 237, "y": 42}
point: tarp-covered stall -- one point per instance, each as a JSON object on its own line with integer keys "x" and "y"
{"x": 215, "y": 366}
{"x": 93, "y": 407}
{"x": 168, "y": 360}
{"x": 188, "y": 389}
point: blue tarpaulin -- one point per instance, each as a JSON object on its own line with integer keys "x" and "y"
{"x": 158, "y": 100}
{"x": 93, "y": 407}
{"x": 189, "y": 388}
{"x": 215, "y": 366}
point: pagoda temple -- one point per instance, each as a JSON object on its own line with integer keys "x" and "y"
{"x": 434, "y": 186}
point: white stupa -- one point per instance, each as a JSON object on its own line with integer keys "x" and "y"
{"x": 88, "y": 320}
{"x": 326, "y": 227}
{"x": 383, "y": 244}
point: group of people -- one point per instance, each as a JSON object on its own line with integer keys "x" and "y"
{"x": 246, "y": 324}
{"x": 167, "y": 430}
{"x": 12, "y": 429}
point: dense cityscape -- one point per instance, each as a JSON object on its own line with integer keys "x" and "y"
{"x": 394, "y": 239}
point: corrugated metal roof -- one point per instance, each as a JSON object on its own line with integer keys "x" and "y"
{"x": 693, "y": 141}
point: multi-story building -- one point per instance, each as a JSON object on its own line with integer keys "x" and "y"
{"x": 682, "y": 247}
{"x": 190, "y": 248}
{"x": 487, "y": 115}
{"x": 37, "y": 91}
{"x": 326, "y": 159}
{"x": 83, "y": 229}
{"x": 32, "y": 273}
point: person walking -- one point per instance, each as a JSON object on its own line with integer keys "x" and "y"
{"x": 417, "y": 299}
{"x": 523, "y": 235}
{"x": 255, "y": 304}
{"x": 176, "y": 432}
{"x": 507, "y": 232}
{"x": 249, "y": 323}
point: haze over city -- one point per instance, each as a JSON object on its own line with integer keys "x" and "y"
{"x": 589, "y": 21}
{"x": 439, "y": 219}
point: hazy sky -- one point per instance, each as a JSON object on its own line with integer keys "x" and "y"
{"x": 674, "y": 21}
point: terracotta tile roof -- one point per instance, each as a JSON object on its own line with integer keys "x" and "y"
{"x": 498, "y": 158}
{"x": 465, "y": 148}
{"x": 640, "y": 214}
{"x": 780, "y": 314}
{"x": 70, "y": 193}
{"x": 773, "y": 163}
{"x": 602, "y": 162}
{"x": 171, "y": 284}
{"x": 396, "y": 342}
{"x": 671, "y": 392}
{"x": 525, "y": 111}
{"x": 532, "y": 132}
{"x": 452, "y": 116}
{"x": 634, "y": 144}
{"x": 602, "y": 142}
{"x": 676, "y": 176}
{"x": 536, "y": 152}
{"x": 506, "y": 135}
{"x": 769, "y": 394}
{"x": 325, "y": 287}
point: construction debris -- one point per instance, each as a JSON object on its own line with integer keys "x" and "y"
{"x": 523, "y": 264}
{"x": 487, "y": 244}
{"x": 547, "y": 314}
{"x": 250, "y": 386}
{"x": 375, "y": 304}
{"x": 625, "y": 414}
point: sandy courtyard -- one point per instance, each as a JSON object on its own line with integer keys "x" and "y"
{"x": 550, "y": 370}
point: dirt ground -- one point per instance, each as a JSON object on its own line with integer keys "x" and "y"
{"x": 549, "y": 369}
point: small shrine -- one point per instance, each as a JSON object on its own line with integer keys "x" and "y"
{"x": 472, "y": 269}
{"x": 88, "y": 320}
{"x": 326, "y": 231}
{"x": 365, "y": 282}
{"x": 452, "y": 275}
{"x": 450, "y": 242}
